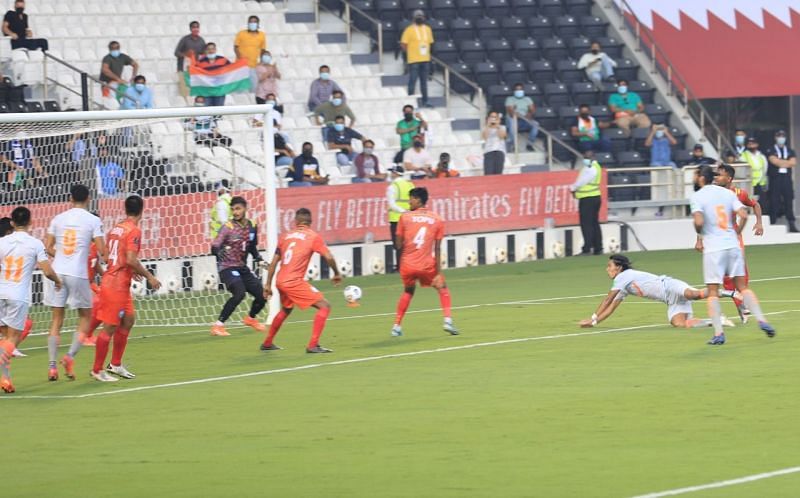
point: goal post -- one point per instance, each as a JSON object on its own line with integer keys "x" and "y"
{"x": 174, "y": 158}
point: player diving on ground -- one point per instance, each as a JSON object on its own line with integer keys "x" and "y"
{"x": 676, "y": 294}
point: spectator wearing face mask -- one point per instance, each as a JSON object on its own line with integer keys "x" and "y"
{"x": 520, "y": 111}
{"x": 443, "y": 169}
{"x": 249, "y": 44}
{"x": 758, "y": 171}
{"x": 739, "y": 146}
{"x": 494, "y": 145}
{"x": 211, "y": 59}
{"x": 782, "y": 160}
{"x": 284, "y": 154}
{"x": 367, "y": 165}
{"x": 112, "y": 65}
{"x": 340, "y": 139}
{"x": 326, "y": 113}
{"x": 416, "y": 41}
{"x": 190, "y": 46}
{"x": 589, "y": 194}
{"x": 205, "y": 128}
{"x": 15, "y": 26}
{"x": 137, "y": 96}
{"x": 417, "y": 160}
{"x": 305, "y": 171}
{"x": 598, "y": 65}
{"x": 587, "y": 132}
{"x": 268, "y": 76}
{"x": 276, "y": 113}
{"x": 660, "y": 141}
{"x": 699, "y": 156}
{"x": 628, "y": 109}
{"x": 411, "y": 125}
{"x": 322, "y": 88}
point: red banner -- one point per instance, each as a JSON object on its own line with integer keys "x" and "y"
{"x": 177, "y": 225}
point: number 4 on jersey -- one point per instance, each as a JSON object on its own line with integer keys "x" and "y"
{"x": 419, "y": 238}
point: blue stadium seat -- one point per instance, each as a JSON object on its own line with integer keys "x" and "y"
{"x": 638, "y": 136}
{"x": 567, "y": 27}
{"x": 496, "y": 96}
{"x": 600, "y": 112}
{"x": 409, "y": 6}
{"x": 620, "y": 194}
{"x": 606, "y": 159}
{"x": 52, "y": 106}
{"x": 34, "y": 107}
{"x": 540, "y": 27}
{"x": 461, "y": 29}
{"x": 534, "y": 91}
{"x": 514, "y": 28}
{"x": 444, "y": 9}
{"x": 657, "y": 112}
{"x": 446, "y": 51}
{"x": 631, "y": 158}
{"x": 487, "y": 74}
{"x": 680, "y": 137}
{"x": 579, "y": 46}
{"x": 440, "y": 28}
{"x": 567, "y": 115}
{"x": 456, "y": 84}
{"x": 557, "y": 94}
{"x": 585, "y": 93}
{"x": 515, "y": 72}
{"x": 626, "y": 69}
{"x": 541, "y": 72}
{"x": 578, "y": 7}
{"x": 593, "y": 27}
{"x": 389, "y": 9}
{"x": 391, "y": 35}
{"x": 498, "y": 8}
{"x": 619, "y": 141}
{"x": 560, "y": 152}
{"x": 359, "y": 20}
{"x": 644, "y": 90}
{"x": 488, "y": 29}
{"x": 551, "y": 8}
{"x": 470, "y": 9}
{"x": 524, "y": 8}
{"x": 554, "y": 49}
{"x": 682, "y": 157}
{"x": 499, "y": 51}
{"x": 547, "y": 117}
{"x": 471, "y": 51}
{"x": 527, "y": 49}
{"x": 611, "y": 46}
{"x": 609, "y": 88}
{"x": 568, "y": 71}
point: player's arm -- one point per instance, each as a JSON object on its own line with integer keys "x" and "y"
{"x": 742, "y": 213}
{"x": 102, "y": 251}
{"x": 337, "y": 277}
{"x": 218, "y": 242}
{"x": 48, "y": 272}
{"x": 273, "y": 266}
{"x": 758, "y": 227}
{"x": 50, "y": 245}
{"x": 605, "y": 310}
{"x": 139, "y": 269}
{"x": 252, "y": 247}
{"x": 699, "y": 220}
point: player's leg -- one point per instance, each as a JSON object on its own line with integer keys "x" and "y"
{"x": 277, "y": 321}
{"x": 323, "y": 311}
{"x": 94, "y": 323}
{"x": 751, "y": 302}
{"x": 714, "y": 269}
{"x": 409, "y": 287}
{"x": 53, "y": 341}
{"x": 12, "y": 320}
{"x": 25, "y": 332}
{"x": 252, "y": 285}
{"x": 120, "y": 341}
{"x": 438, "y": 283}
{"x": 110, "y": 311}
{"x": 233, "y": 282}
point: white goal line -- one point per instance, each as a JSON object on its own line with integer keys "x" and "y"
{"x": 721, "y": 484}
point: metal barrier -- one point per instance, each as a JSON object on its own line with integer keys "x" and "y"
{"x": 87, "y": 90}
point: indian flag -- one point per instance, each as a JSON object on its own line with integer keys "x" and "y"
{"x": 218, "y": 81}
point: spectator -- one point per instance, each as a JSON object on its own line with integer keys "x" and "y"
{"x": 322, "y": 89}
{"x": 276, "y": 112}
{"x": 589, "y": 194}
{"x": 758, "y": 171}
{"x": 587, "y": 132}
{"x": 326, "y": 113}
{"x": 699, "y": 156}
{"x": 112, "y": 65}
{"x": 284, "y": 154}
{"x": 22, "y": 162}
{"x": 443, "y": 169}
{"x": 15, "y": 26}
{"x": 739, "y": 147}
{"x": 730, "y": 157}
{"x": 220, "y": 212}
{"x": 340, "y": 139}
{"x": 268, "y": 76}
{"x": 305, "y": 172}
{"x": 367, "y": 165}
{"x": 417, "y": 160}
{"x": 660, "y": 141}
{"x": 137, "y": 96}
{"x": 212, "y": 60}
{"x": 110, "y": 174}
{"x": 598, "y": 65}
{"x": 628, "y": 109}
{"x": 205, "y": 128}
{"x": 520, "y": 110}
{"x": 190, "y": 46}
{"x": 416, "y": 42}
{"x": 494, "y": 145}
{"x": 248, "y": 45}
{"x": 782, "y": 160}
{"x": 411, "y": 124}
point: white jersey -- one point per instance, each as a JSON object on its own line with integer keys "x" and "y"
{"x": 19, "y": 255}
{"x": 74, "y": 231}
{"x": 719, "y": 206}
{"x": 640, "y": 283}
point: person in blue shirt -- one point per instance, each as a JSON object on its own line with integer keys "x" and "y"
{"x": 305, "y": 171}
{"x": 660, "y": 141}
{"x": 110, "y": 175}
{"x": 137, "y": 96}
{"x": 340, "y": 139}
{"x": 19, "y": 156}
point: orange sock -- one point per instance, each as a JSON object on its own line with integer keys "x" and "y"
{"x": 319, "y": 324}
{"x": 275, "y": 327}
{"x": 402, "y": 307}
{"x": 444, "y": 299}
{"x": 26, "y": 330}
{"x": 120, "y": 342}
{"x": 101, "y": 351}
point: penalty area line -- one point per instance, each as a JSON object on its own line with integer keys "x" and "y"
{"x": 722, "y": 484}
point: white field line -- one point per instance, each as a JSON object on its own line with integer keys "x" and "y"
{"x": 722, "y": 484}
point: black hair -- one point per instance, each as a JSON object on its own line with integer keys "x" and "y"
{"x": 253, "y": 17}
{"x": 581, "y": 106}
{"x": 706, "y": 172}
{"x": 309, "y": 144}
{"x": 337, "y": 91}
{"x": 728, "y": 169}
{"x": 79, "y": 193}
{"x": 621, "y": 261}
{"x": 303, "y": 212}
{"x": 302, "y": 215}
{"x": 366, "y": 141}
{"x": 519, "y": 84}
{"x": 324, "y": 66}
{"x": 337, "y": 118}
{"x": 407, "y": 106}
{"x": 21, "y": 216}
{"x": 238, "y": 200}
{"x": 621, "y": 81}
{"x": 5, "y": 226}
{"x": 134, "y": 205}
{"x": 210, "y": 44}
{"x": 420, "y": 193}
{"x": 139, "y": 78}
{"x": 193, "y": 24}
{"x": 112, "y": 43}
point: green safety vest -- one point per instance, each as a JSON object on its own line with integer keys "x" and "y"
{"x": 758, "y": 166}
{"x": 215, "y": 224}
{"x": 591, "y": 189}
{"x": 403, "y": 187}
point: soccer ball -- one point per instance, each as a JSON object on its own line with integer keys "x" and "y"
{"x": 346, "y": 267}
{"x": 173, "y": 284}
{"x": 530, "y": 252}
{"x": 138, "y": 288}
{"x": 312, "y": 273}
{"x": 500, "y": 255}
{"x": 352, "y": 294}
{"x": 558, "y": 249}
{"x": 613, "y": 245}
{"x": 470, "y": 257}
{"x": 377, "y": 265}
{"x": 210, "y": 281}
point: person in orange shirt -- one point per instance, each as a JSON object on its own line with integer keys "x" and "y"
{"x": 95, "y": 269}
{"x": 419, "y": 238}
{"x": 294, "y": 253}
{"x": 116, "y": 303}
{"x": 443, "y": 169}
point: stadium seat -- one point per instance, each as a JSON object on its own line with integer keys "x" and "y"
{"x": 620, "y": 194}
{"x": 34, "y": 107}
{"x": 499, "y": 51}
{"x": 638, "y": 137}
{"x": 541, "y": 72}
{"x": 611, "y": 46}
{"x": 470, "y": 9}
{"x": 554, "y": 49}
{"x": 527, "y": 49}
{"x": 547, "y": 117}
{"x": 496, "y": 96}
{"x": 557, "y": 94}
{"x": 578, "y": 8}
{"x": 619, "y": 141}
{"x": 4, "y": 108}
{"x": 391, "y": 36}
{"x": 626, "y": 69}
{"x": 524, "y": 8}
{"x": 600, "y": 112}
{"x": 593, "y": 27}
{"x": 579, "y": 46}
{"x": 551, "y": 8}
{"x": 446, "y": 51}
{"x": 17, "y": 107}
{"x": 514, "y": 28}
{"x": 488, "y": 29}
{"x": 533, "y": 91}
{"x": 444, "y": 9}
{"x": 540, "y": 27}
{"x": 456, "y": 84}
{"x": 567, "y": 27}
{"x": 359, "y": 20}
{"x": 389, "y": 9}
{"x": 409, "y": 6}
{"x": 680, "y": 137}
{"x": 514, "y": 72}
{"x": 657, "y": 113}
{"x": 584, "y": 92}
{"x": 471, "y": 51}
{"x": 486, "y": 74}
{"x": 559, "y": 151}
{"x": 568, "y": 71}
{"x": 461, "y": 29}
{"x": 682, "y": 157}
{"x": 631, "y": 158}
{"x": 567, "y": 116}
{"x": 498, "y": 9}
{"x": 644, "y": 90}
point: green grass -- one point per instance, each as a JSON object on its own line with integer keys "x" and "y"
{"x": 614, "y": 414}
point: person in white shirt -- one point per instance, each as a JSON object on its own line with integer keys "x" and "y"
{"x": 20, "y": 255}
{"x": 494, "y": 145}
{"x": 69, "y": 240}
{"x": 598, "y": 65}
{"x": 713, "y": 208}
{"x": 676, "y": 294}
{"x": 417, "y": 160}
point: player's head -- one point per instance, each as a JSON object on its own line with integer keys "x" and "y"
{"x": 238, "y": 208}
{"x": 5, "y": 226}
{"x": 302, "y": 217}
{"x": 21, "y": 217}
{"x": 134, "y": 205}
{"x": 417, "y": 197}
{"x": 617, "y": 264}
{"x": 704, "y": 175}
{"x": 725, "y": 175}
{"x": 79, "y": 193}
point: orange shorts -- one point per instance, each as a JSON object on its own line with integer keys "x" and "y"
{"x": 298, "y": 292}
{"x": 411, "y": 276}
{"x": 112, "y": 306}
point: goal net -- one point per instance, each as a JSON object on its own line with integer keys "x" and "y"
{"x": 176, "y": 159}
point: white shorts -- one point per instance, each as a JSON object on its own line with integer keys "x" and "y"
{"x": 75, "y": 292}
{"x": 13, "y": 313}
{"x": 676, "y": 301}
{"x": 717, "y": 264}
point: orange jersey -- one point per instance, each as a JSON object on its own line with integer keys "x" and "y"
{"x": 124, "y": 237}
{"x": 295, "y": 249}
{"x": 420, "y": 230}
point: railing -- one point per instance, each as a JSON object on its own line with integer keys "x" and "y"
{"x": 676, "y": 84}
{"x": 549, "y": 139}
{"x": 87, "y": 89}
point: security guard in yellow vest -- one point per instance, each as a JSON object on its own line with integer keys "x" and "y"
{"x": 221, "y": 210}
{"x": 397, "y": 204}
{"x": 758, "y": 171}
{"x": 587, "y": 190}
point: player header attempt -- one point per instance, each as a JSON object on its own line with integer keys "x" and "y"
{"x": 116, "y": 302}
{"x": 236, "y": 239}
{"x": 20, "y": 254}
{"x": 419, "y": 238}
{"x": 713, "y": 210}
{"x": 676, "y": 294}
{"x": 294, "y": 251}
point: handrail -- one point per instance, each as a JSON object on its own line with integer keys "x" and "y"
{"x": 85, "y": 78}
{"x": 700, "y": 115}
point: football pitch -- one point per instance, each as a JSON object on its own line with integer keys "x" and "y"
{"x": 522, "y": 404}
